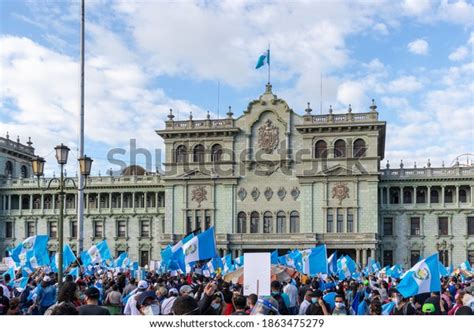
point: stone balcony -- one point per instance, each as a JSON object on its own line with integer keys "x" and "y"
{"x": 341, "y": 118}
{"x": 12, "y": 146}
{"x": 421, "y": 173}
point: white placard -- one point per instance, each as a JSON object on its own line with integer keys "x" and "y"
{"x": 257, "y": 273}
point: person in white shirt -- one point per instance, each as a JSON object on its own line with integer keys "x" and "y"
{"x": 167, "y": 303}
{"x": 292, "y": 292}
{"x": 306, "y": 302}
{"x": 131, "y": 305}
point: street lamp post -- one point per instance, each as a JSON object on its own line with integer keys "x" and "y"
{"x": 85, "y": 164}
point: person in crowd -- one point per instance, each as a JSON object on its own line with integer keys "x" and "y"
{"x": 306, "y": 302}
{"x": 147, "y": 303}
{"x": 339, "y": 306}
{"x": 251, "y": 301}
{"x": 240, "y": 304}
{"x": 131, "y": 305}
{"x": 317, "y": 306}
{"x": 66, "y": 294}
{"x": 92, "y": 306}
{"x": 282, "y": 298}
{"x": 113, "y": 300}
{"x": 46, "y": 295}
{"x": 167, "y": 303}
{"x": 402, "y": 305}
{"x": 4, "y": 302}
{"x": 292, "y": 292}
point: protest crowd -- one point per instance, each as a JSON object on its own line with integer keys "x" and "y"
{"x": 303, "y": 283}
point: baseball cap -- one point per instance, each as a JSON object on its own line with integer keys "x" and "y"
{"x": 173, "y": 290}
{"x": 92, "y": 292}
{"x": 46, "y": 279}
{"x": 185, "y": 289}
{"x": 428, "y": 308}
{"x": 145, "y": 295}
{"x": 142, "y": 285}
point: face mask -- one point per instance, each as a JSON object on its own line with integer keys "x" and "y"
{"x": 314, "y": 300}
{"x": 339, "y": 305}
{"x": 153, "y": 309}
{"x": 396, "y": 300}
{"x": 215, "y": 306}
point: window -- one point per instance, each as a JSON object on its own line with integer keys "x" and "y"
{"x": 181, "y": 154}
{"x": 470, "y": 257}
{"x": 53, "y": 229}
{"x": 444, "y": 257}
{"x": 8, "y": 168}
{"x": 443, "y": 226}
{"x": 340, "y": 148}
{"x": 329, "y": 221}
{"x": 145, "y": 229}
{"x": 144, "y": 257}
{"x": 24, "y": 171}
{"x": 407, "y": 196}
{"x": 47, "y": 202}
{"x": 216, "y": 153}
{"x": 421, "y": 196}
{"x": 241, "y": 222}
{"x": 207, "y": 220}
{"x": 267, "y": 222}
{"x": 387, "y": 257}
{"x": 115, "y": 200}
{"x": 415, "y": 226}
{"x": 8, "y": 229}
{"x": 254, "y": 222}
{"x": 98, "y": 229}
{"x": 281, "y": 220}
{"x": 198, "y": 153}
{"x": 394, "y": 195}
{"x": 359, "y": 148}
{"x": 350, "y": 221}
{"x": 462, "y": 195}
{"x": 414, "y": 257}
{"x": 321, "y": 149}
{"x": 340, "y": 221}
{"x": 73, "y": 229}
{"x": 448, "y": 195}
{"x": 388, "y": 226}
{"x": 121, "y": 229}
{"x": 470, "y": 225}
{"x": 139, "y": 200}
{"x": 30, "y": 229}
{"x": 189, "y": 222}
{"x": 70, "y": 201}
{"x": 434, "y": 196}
{"x": 294, "y": 222}
{"x": 197, "y": 224}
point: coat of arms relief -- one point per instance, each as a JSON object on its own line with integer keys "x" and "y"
{"x": 199, "y": 194}
{"x": 340, "y": 191}
{"x": 268, "y": 136}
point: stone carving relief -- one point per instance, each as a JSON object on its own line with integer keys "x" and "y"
{"x": 255, "y": 193}
{"x": 340, "y": 192}
{"x": 199, "y": 194}
{"x": 281, "y": 193}
{"x": 268, "y": 193}
{"x": 242, "y": 194}
{"x": 295, "y": 193}
{"x": 268, "y": 136}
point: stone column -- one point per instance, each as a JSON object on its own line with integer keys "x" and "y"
{"x": 145, "y": 196}
{"x": 388, "y": 195}
{"x": 358, "y": 256}
{"x": 31, "y": 202}
{"x": 42, "y": 202}
{"x": 133, "y": 201}
{"x": 414, "y": 196}
{"x": 472, "y": 195}
{"x": 428, "y": 197}
{"x": 121, "y": 201}
{"x": 372, "y": 253}
{"x": 457, "y": 195}
{"x": 442, "y": 195}
{"x": 20, "y": 202}
{"x": 364, "y": 257}
{"x": 98, "y": 202}
{"x": 110, "y": 201}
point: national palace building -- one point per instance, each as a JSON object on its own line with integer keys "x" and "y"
{"x": 271, "y": 178}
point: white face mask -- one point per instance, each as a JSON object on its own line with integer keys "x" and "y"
{"x": 215, "y": 306}
{"x": 339, "y": 305}
{"x": 153, "y": 309}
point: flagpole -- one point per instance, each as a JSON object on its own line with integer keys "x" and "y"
{"x": 268, "y": 62}
{"x": 80, "y": 185}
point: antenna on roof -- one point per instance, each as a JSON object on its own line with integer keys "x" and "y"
{"x": 218, "y": 96}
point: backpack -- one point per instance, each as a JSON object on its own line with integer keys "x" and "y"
{"x": 282, "y": 309}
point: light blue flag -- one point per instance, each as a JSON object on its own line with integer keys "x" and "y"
{"x": 423, "y": 277}
{"x": 10, "y": 271}
{"x": 96, "y": 254}
{"x": 122, "y": 261}
{"x": 332, "y": 264}
{"x": 346, "y": 267}
{"x": 264, "y": 58}
{"x": 388, "y": 308}
{"x": 227, "y": 262}
{"x": 373, "y": 265}
{"x": 180, "y": 243}
{"x": 465, "y": 266}
{"x": 68, "y": 258}
{"x": 274, "y": 257}
{"x": 32, "y": 249}
{"x": 19, "y": 283}
{"x": 215, "y": 265}
{"x": 316, "y": 262}
{"x": 75, "y": 272}
{"x": 395, "y": 271}
{"x": 200, "y": 247}
{"x": 443, "y": 272}
{"x": 330, "y": 299}
{"x": 239, "y": 261}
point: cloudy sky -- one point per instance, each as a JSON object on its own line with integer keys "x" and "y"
{"x": 415, "y": 58}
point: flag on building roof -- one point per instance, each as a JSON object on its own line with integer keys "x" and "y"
{"x": 423, "y": 277}
{"x": 264, "y": 58}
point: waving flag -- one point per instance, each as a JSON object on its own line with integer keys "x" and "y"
{"x": 316, "y": 262}
{"x": 239, "y": 261}
{"x": 215, "y": 265}
{"x": 122, "y": 261}
{"x": 96, "y": 254}
{"x": 465, "y": 266}
{"x": 423, "y": 277}
{"x": 32, "y": 249}
{"x": 346, "y": 267}
{"x": 75, "y": 272}
{"x": 274, "y": 257}
{"x": 200, "y": 247}
{"x": 373, "y": 265}
{"x": 227, "y": 262}
{"x": 10, "y": 271}
{"x": 332, "y": 264}
{"x": 264, "y": 58}
{"x": 68, "y": 258}
{"x": 388, "y": 308}
{"x": 330, "y": 299}
{"x": 443, "y": 271}
{"x": 395, "y": 271}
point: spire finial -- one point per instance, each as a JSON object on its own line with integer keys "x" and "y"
{"x": 17, "y": 139}
{"x": 428, "y": 164}
{"x": 308, "y": 110}
{"x": 414, "y": 166}
{"x": 442, "y": 163}
{"x": 170, "y": 115}
{"x": 388, "y": 164}
{"x": 190, "y": 115}
{"x": 268, "y": 88}
{"x": 401, "y": 164}
{"x": 8, "y": 135}
{"x": 230, "y": 113}
{"x": 457, "y": 162}
{"x": 29, "y": 143}
{"x": 373, "y": 106}
{"x": 330, "y": 109}
{"x": 208, "y": 115}
{"x": 349, "y": 110}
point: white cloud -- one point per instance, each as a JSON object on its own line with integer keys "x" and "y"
{"x": 418, "y": 46}
{"x": 459, "y": 54}
{"x": 381, "y": 28}
{"x": 416, "y": 7}
{"x": 352, "y": 92}
{"x": 404, "y": 84}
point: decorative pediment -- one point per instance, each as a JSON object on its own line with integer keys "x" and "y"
{"x": 338, "y": 170}
{"x": 194, "y": 173}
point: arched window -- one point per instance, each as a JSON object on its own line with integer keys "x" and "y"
{"x": 254, "y": 222}
{"x": 8, "y": 168}
{"x": 340, "y": 148}
{"x": 198, "y": 153}
{"x": 241, "y": 222}
{"x": 216, "y": 153}
{"x": 181, "y": 154}
{"x": 267, "y": 222}
{"x": 321, "y": 149}
{"x": 281, "y": 220}
{"x": 359, "y": 148}
{"x": 24, "y": 171}
{"x": 294, "y": 222}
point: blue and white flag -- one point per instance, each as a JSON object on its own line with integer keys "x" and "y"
{"x": 465, "y": 266}
{"x": 75, "y": 272}
{"x": 180, "y": 243}
{"x": 373, "y": 265}
{"x": 443, "y": 272}
{"x": 395, "y": 271}
{"x": 423, "y": 277}
{"x": 388, "y": 308}
{"x": 239, "y": 261}
{"x": 264, "y": 58}
{"x": 11, "y": 272}
{"x": 316, "y": 262}
{"x": 68, "y": 258}
{"x": 32, "y": 249}
{"x": 122, "y": 261}
{"x": 346, "y": 267}
{"x": 19, "y": 283}
{"x": 227, "y": 263}
{"x": 332, "y": 264}
{"x": 96, "y": 254}
{"x": 274, "y": 257}
{"x": 330, "y": 299}
{"x": 200, "y": 247}
{"x": 215, "y": 265}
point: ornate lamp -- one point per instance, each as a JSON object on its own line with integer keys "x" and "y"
{"x": 62, "y": 152}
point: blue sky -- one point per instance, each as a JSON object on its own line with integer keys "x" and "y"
{"x": 415, "y": 58}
